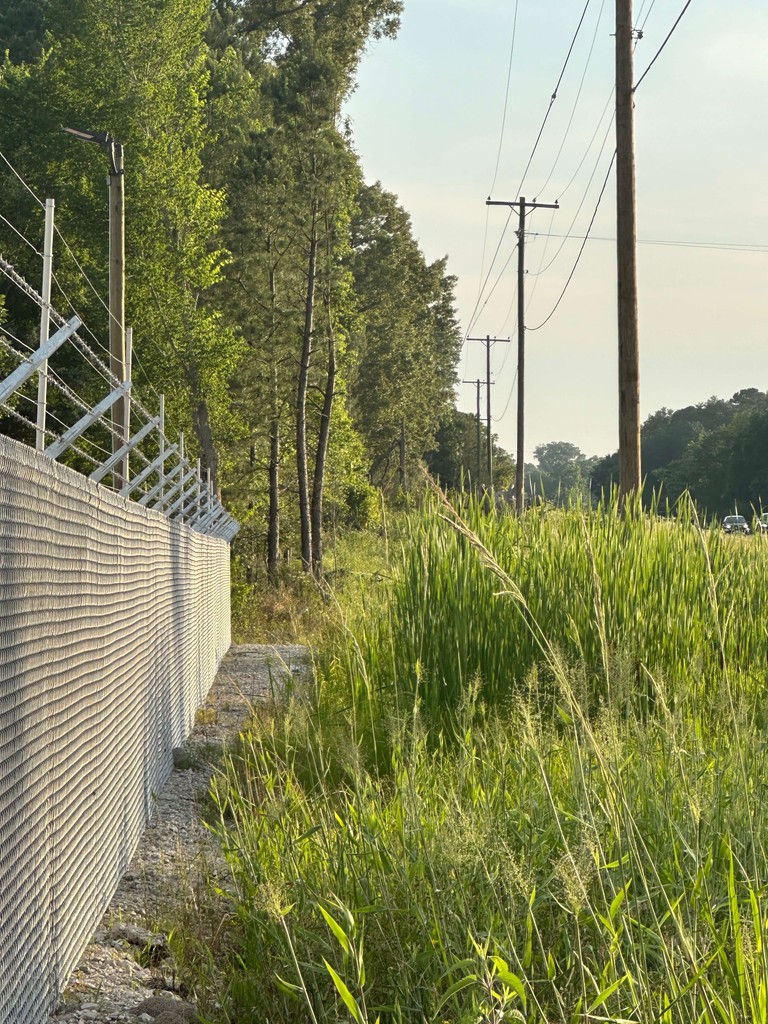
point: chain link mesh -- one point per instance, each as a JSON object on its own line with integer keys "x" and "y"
{"x": 113, "y": 621}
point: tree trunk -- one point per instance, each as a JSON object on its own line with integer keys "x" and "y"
{"x": 273, "y": 528}
{"x": 322, "y": 449}
{"x": 210, "y": 458}
{"x": 301, "y": 403}
{"x": 401, "y": 468}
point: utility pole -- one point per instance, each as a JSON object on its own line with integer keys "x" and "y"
{"x": 117, "y": 352}
{"x": 117, "y": 360}
{"x": 626, "y": 245}
{"x": 520, "y": 467}
{"x": 478, "y": 384}
{"x": 488, "y": 341}
{"x": 45, "y": 323}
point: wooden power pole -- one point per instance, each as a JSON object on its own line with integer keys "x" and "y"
{"x": 117, "y": 354}
{"x": 626, "y": 246}
{"x": 520, "y": 467}
{"x": 478, "y": 384}
{"x": 118, "y": 362}
{"x": 488, "y": 341}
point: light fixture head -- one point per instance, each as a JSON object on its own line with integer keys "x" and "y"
{"x": 102, "y": 138}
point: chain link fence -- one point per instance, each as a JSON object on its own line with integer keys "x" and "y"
{"x": 113, "y": 621}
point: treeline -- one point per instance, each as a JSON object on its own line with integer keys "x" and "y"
{"x": 715, "y": 450}
{"x": 280, "y": 302}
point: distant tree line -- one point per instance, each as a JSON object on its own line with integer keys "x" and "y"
{"x": 717, "y": 451}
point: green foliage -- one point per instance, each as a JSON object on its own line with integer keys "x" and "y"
{"x": 562, "y": 473}
{"x": 105, "y": 70}
{"x": 561, "y": 855}
{"x": 607, "y": 589}
{"x": 454, "y": 460}
{"x": 713, "y": 450}
{"x": 22, "y": 30}
{"x": 258, "y": 306}
{"x": 406, "y": 342}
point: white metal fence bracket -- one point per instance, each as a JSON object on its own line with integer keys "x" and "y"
{"x": 36, "y": 360}
{"x": 54, "y": 450}
{"x": 101, "y": 471}
{"x": 157, "y": 465}
{"x": 177, "y": 487}
{"x": 146, "y": 498}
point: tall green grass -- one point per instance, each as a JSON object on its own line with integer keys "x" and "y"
{"x": 533, "y": 790}
{"x": 605, "y": 589}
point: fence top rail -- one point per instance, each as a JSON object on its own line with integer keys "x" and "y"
{"x": 145, "y": 464}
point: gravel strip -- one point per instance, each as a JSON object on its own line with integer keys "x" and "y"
{"x": 126, "y": 974}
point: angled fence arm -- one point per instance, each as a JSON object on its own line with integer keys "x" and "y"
{"x": 231, "y": 531}
{"x": 164, "y": 481}
{"x": 45, "y": 324}
{"x": 179, "y": 486}
{"x": 36, "y": 360}
{"x": 184, "y": 499}
{"x": 101, "y": 471}
{"x": 139, "y": 479}
{"x": 68, "y": 438}
{"x": 214, "y": 517}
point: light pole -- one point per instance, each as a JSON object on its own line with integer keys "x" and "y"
{"x": 117, "y": 357}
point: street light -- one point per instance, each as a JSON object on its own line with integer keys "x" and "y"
{"x": 117, "y": 354}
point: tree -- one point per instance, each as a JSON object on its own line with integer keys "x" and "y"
{"x": 293, "y": 184}
{"x": 106, "y": 70}
{"x": 407, "y": 342}
{"x": 562, "y": 470}
{"x": 22, "y": 30}
{"x": 453, "y": 460}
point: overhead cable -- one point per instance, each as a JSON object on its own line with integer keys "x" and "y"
{"x": 581, "y": 250}
{"x": 506, "y": 98}
{"x": 553, "y": 97}
{"x": 26, "y": 186}
{"x": 658, "y": 52}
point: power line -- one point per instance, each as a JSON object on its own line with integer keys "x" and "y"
{"x": 722, "y": 246}
{"x": 476, "y": 311}
{"x": 645, "y": 19}
{"x": 576, "y": 101}
{"x": 658, "y": 52}
{"x": 26, "y": 186}
{"x": 23, "y": 237}
{"x": 509, "y": 399}
{"x": 605, "y": 183}
{"x": 506, "y": 99}
{"x": 581, "y": 250}
{"x": 553, "y": 97}
{"x": 495, "y": 286}
{"x": 581, "y": 203}
{"x": 538, "y": 273}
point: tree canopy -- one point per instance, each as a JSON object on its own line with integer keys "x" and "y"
{"x": 280, "y": 302}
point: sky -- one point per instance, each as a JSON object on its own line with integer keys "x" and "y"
{"x": 447, "y": 115}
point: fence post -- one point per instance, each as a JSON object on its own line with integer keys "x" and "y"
{"x": 162, "y": 444}
{"x": 124, "y": 470}
{"x": 45, "y": 323}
